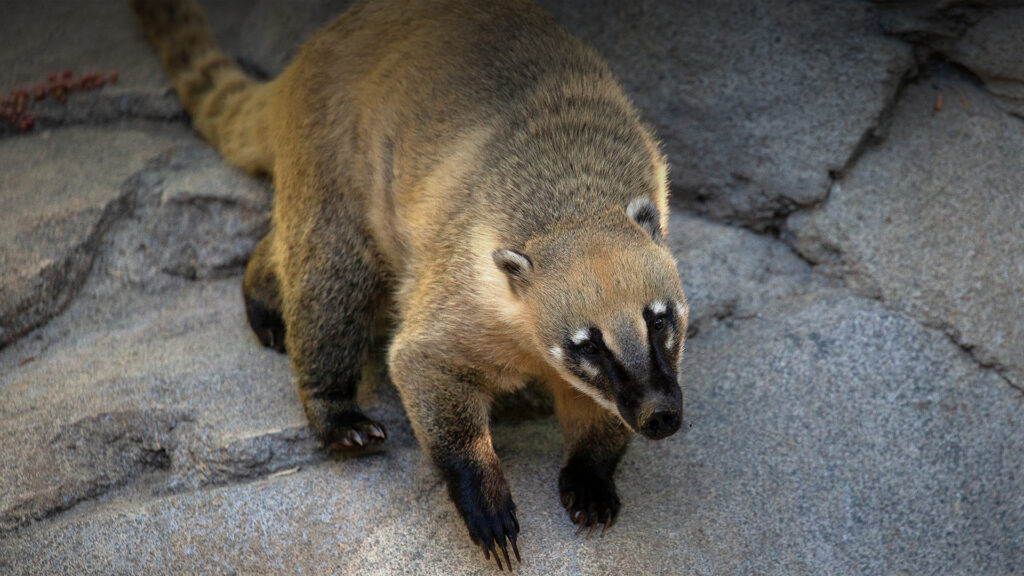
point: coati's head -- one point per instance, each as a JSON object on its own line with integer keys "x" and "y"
{"x": 608, "y": 312}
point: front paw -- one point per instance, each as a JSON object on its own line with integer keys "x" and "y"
{"x": 482, "y": 498}
{"x": 589, "y": 497}
{"x": 493, "y": 527}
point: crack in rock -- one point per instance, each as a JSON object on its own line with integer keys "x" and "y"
{"x": 102, "y": 452}
{"x": 194, "y": 218}
{"x": 67, "y": 192}
{"x": 95, "y": 455}
{"x": 929, "y": 221}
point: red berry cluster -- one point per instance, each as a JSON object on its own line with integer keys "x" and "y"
{"x": 14, "y": 108}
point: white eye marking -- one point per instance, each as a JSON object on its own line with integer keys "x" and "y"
{"x": 589, "y": 368}
{"x": 557, "y": 352}
{"x": 670, "y": 341}
{"x": 658, "y": 307}
{"x": 682, "y": 310}
{"x": 580, "y": 336}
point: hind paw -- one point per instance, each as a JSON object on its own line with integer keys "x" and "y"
{"x": 353, "y": 433}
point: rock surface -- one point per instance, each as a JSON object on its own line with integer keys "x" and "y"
{"x": 992, "y": 49}
{"x": 932, "y": 220}
{"x": 59, "y": 192}
{"x": 830, "y": 435}
{"x": 833, "y": 426}
{"x": 121, "y": 384}
{"x": 983, "y": 36}
{"x": 85, "y": 37}
{"x": 730, "y": 272}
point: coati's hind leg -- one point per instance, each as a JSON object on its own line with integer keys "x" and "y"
{"x": 330, "y": 296}
{"x": 595, "y": 441}
{"x": 262, "y": 294}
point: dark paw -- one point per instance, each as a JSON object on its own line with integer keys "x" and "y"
{"x": 273, "y": 339}
{"x": 353, "y": 432}
{"x": 496, "y": 529}
{"x": 267, "y": 324}
{"x": 589, "y": 498}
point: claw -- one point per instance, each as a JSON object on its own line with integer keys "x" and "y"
{"x": 376, "y": 432}
{"x": 515, "y": 548}
{"x": 498, "y": 559}
{"x": 351, "y": 438}
{"x": 591, "y": 531}
{"x": 568, "y": 499}
{"x": 504, "y": 548}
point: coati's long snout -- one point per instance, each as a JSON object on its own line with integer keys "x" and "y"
{"x": 643, "y": 377}
{"x": 649, "y": 400}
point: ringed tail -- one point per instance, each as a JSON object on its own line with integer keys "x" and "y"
{"x": 229, "y": 108}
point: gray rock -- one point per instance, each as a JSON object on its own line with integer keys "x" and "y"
{"x": 730, "y": 272}
{"x": 195, "y": 217}
{"x": 144, "y": 429}
{"x": 830, "y": 436}
{"x": 992, "y": 49}
{"x": 756, "y": 103}
{"x": 59, "y": 192}
{"x": 930, "y": 23}
{"x": 984, "y": 36}
{"x": 169, "y": 383}
{"x": 126, "y": 371}
{"x": 85, "y": 37}
{"x": 932, "y": 220}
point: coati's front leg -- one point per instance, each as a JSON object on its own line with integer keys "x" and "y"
{"x": 595, "y": 441}
{"x": 449, "y": 411}
{"x": 329, "y": 303}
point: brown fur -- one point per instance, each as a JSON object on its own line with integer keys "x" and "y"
{"x": 408, "y": 141}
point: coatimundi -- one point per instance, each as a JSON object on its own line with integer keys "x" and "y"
{"x": 469, "y": 175}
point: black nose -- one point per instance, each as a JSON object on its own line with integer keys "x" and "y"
{"x": 661, "y": 424}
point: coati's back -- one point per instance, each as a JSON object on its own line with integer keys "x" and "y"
{"x": 387, "y": 102}
{"x": 440, "y": 94}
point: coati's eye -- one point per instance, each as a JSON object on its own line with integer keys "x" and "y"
{"x": 588, "y": 348}
{"x": 659, "y": 323}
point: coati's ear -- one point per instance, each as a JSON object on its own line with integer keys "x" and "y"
{"x": 645, "y": 213}
{"x": 516, "y": 265}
